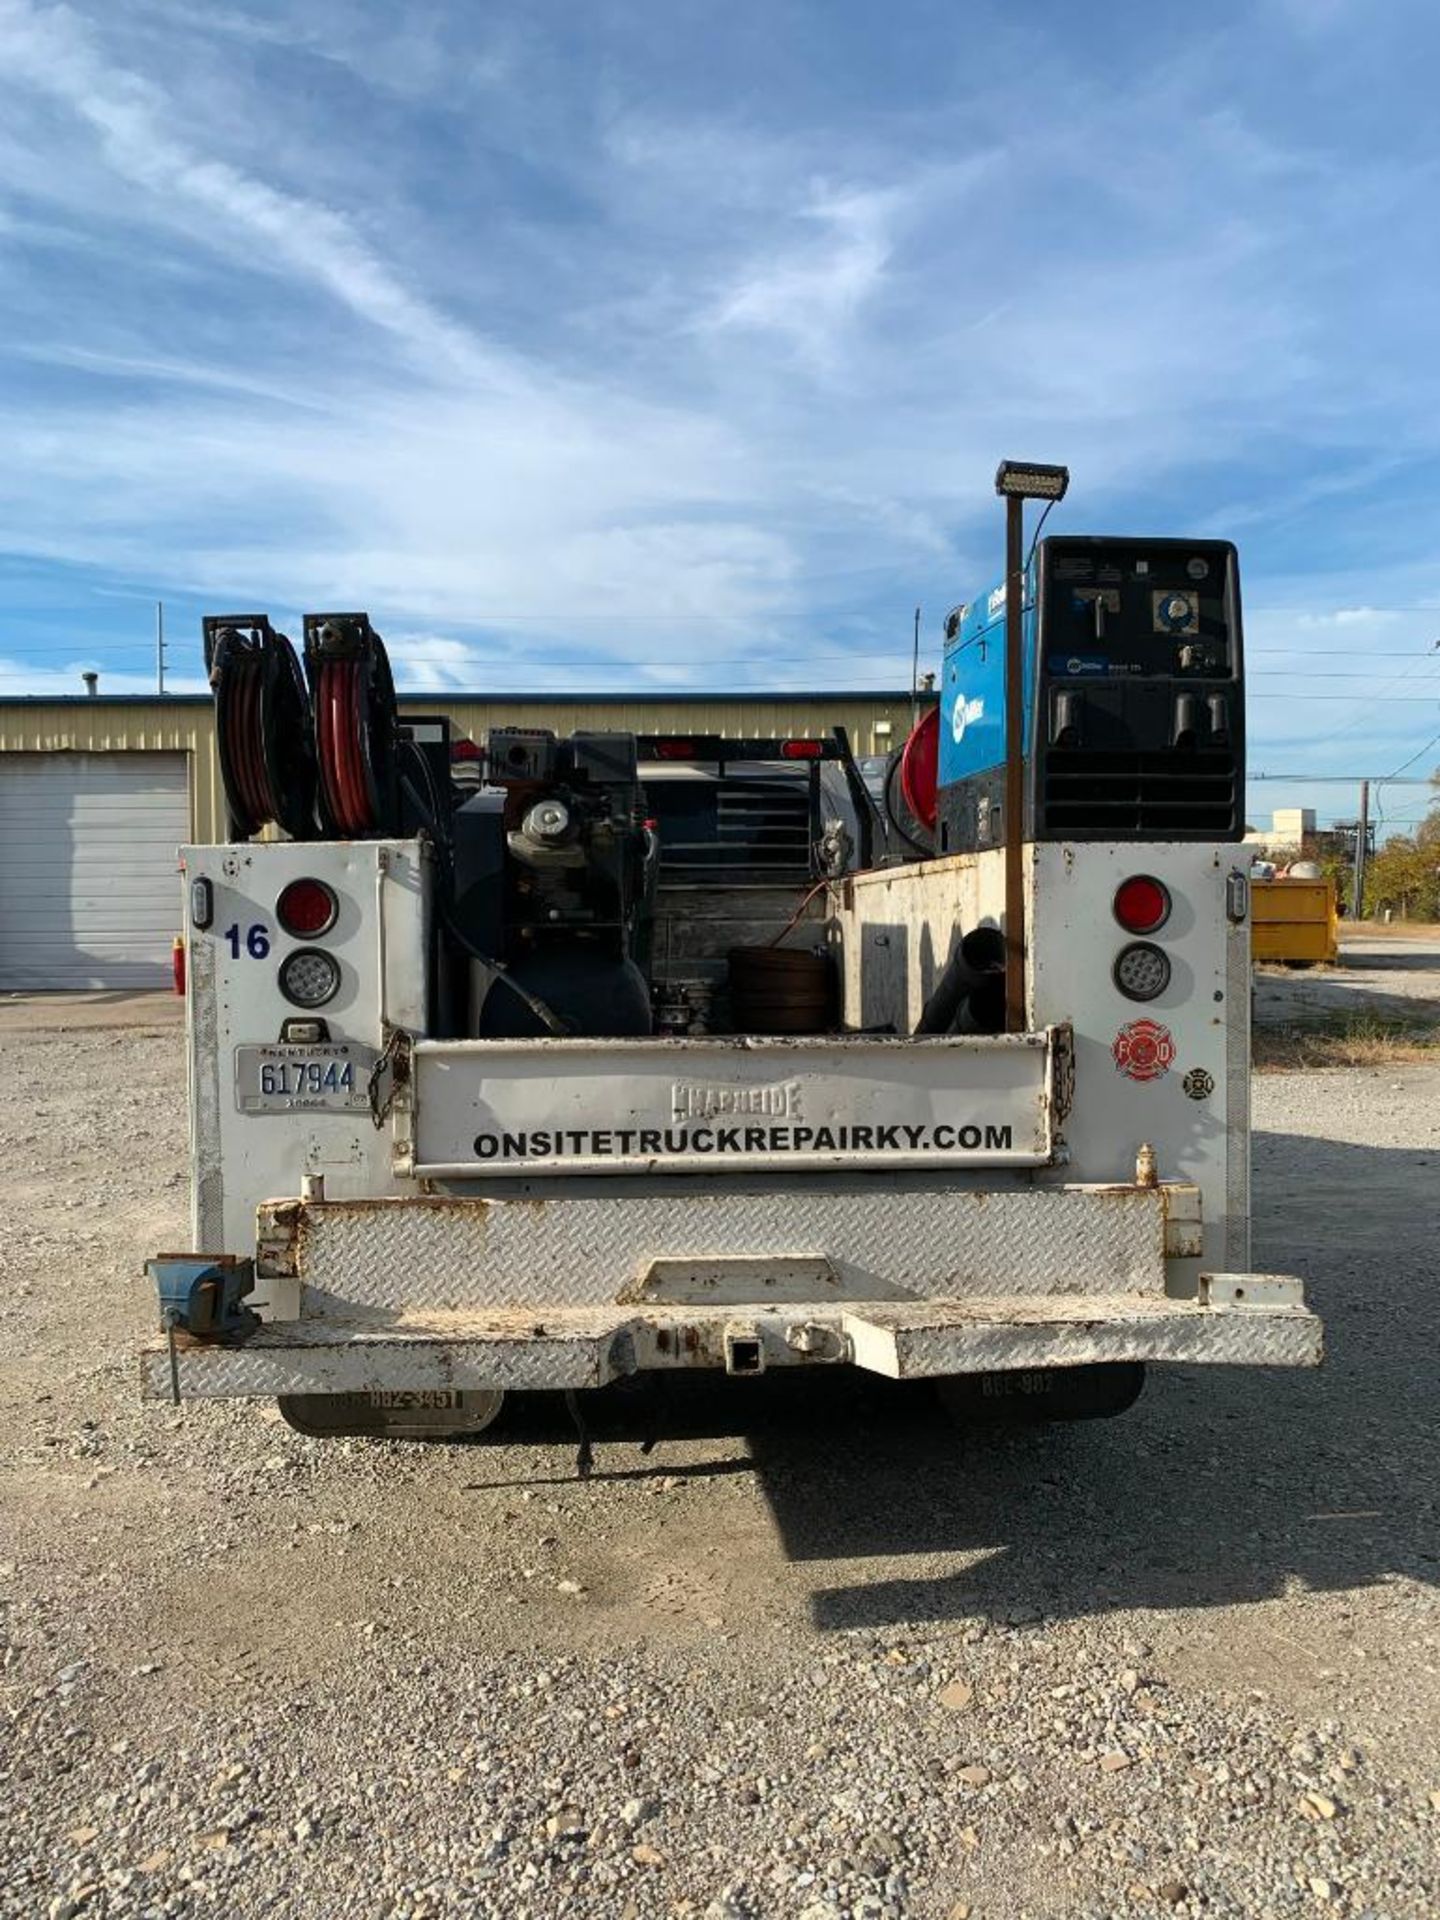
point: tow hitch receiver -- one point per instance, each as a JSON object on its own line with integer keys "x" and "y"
{"x": 201, "y": 1295}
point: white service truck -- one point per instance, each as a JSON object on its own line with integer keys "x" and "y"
{"x": 501, "y": 1087}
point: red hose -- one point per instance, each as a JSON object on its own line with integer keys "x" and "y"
{"x": 247, "y": 727}
{"x": 339, "y": 718}
{"x": 340, "y": 721}
{"x": 354, "y": 756}
{"x": 260, "y": 771}
{"x": 266, "y": 764}
{"x": 349, "y": 747}
{"x": 325, "y": 724}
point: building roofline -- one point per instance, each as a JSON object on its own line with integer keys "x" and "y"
{"x": 449, "y": 697}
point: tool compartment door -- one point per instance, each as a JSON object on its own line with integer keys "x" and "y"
{"x": 484, "y": 1108}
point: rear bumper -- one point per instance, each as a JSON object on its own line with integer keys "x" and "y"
{"x": 585, "y": 1347}
{"x": 444, "y": 1293}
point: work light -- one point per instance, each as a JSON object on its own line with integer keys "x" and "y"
{"x": 1028, "y": 480}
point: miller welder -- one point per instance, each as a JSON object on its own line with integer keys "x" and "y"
{"x": 1134, "y": 716}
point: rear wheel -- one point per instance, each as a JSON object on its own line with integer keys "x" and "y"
{"x": 1036, "y": 1394}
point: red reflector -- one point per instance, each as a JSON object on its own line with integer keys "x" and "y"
{"x": 1142, "y": 904}
{"x": 802, "y": 749}
{"x": 177, "y": 964}
{"x": 307, "y": 908}
{"x": 465, "y": 750}
{"x": 674, "y": 749}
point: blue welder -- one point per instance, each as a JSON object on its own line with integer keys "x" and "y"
{"x": 1134, "y": 715}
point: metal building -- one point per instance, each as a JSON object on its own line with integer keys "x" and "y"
{"x": 97, "y": 792}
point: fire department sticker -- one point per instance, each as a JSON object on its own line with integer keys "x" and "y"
{"x": 1143, "y": 1050}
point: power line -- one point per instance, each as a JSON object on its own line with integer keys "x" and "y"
{"x": 1389, "y": 777}
{"x": 1340, "y": 779}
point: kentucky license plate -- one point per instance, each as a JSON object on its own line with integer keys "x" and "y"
{"x": 303, "y": 1079}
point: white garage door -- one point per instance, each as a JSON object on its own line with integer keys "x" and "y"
{"x": 88, "y": 889}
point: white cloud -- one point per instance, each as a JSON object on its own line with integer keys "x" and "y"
{"x": 50, "y": 51}
{"x": 813, "y": 292}
{"x": 615, "y": 357}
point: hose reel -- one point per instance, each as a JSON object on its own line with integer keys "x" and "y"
{"x": 356, "y": 725}
{"x": 262, "y": 726}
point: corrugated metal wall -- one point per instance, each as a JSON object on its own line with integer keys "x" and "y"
{"x": 126, "y": 726}
{"x": 185, "y": 724}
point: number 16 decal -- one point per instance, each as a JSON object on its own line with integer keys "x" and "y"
{"x": 254, "y": 940}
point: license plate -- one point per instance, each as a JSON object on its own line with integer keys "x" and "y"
{"x": 414, "y": 1399}
{"x": 303, "y": 1079}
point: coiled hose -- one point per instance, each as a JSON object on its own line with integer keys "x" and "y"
{"x": 263, "y": 726}
{"x": 356, "y": 725}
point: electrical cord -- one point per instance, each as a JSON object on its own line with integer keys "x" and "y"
{"x": 1035, "y": 540}
{"x": 794, "y": 919}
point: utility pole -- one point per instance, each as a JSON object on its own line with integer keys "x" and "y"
{"x": 160, "y": 647}
{"x": 1362, "y": 848}
{"x": 915, "y": 676}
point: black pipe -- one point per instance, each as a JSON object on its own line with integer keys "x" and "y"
{"x": 971, "y": 968}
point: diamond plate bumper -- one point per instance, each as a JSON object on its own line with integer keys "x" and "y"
{"x": 594, "y": 1246}
{"x": 579, "y": 1289}
{"x": 587, "y": 1347}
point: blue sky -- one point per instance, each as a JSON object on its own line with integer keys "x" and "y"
{"x": 675, "y": 345}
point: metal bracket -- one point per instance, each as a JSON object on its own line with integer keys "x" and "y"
{"x": 735, "y": 1279}
{"x": 1259, "y": 1290}
{"x": 1062, "y": 1068}
{"x": 390, "y": 1077}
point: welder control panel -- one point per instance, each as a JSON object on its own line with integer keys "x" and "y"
{"x": 1111, "y": 609}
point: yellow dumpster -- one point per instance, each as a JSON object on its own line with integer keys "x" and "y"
{"x": 1294, "y": 921}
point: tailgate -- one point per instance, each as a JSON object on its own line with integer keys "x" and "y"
{"x": 502, "y": 1107}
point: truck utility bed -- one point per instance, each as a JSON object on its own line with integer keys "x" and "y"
{"x": 447, "y": 1217}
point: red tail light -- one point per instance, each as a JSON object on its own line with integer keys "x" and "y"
{"x": 1142, "y": 903}
{"x": 307, "y": 908}
{"x": 674, "y": 749}
{"x": 465, "y": 750}
{"x": 802, "y": 749}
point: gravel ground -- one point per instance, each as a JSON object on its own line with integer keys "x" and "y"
{"x": 850, "y": 1663}
{"x": 1382, "y": 975}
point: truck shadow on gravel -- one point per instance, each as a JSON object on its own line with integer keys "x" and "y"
{"x": 1221, "y": 1486}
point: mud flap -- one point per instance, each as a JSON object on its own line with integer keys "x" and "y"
{"x": 416, "y": 1414}
{"x": 1034, "y": 1395}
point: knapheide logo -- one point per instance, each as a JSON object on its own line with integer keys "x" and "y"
{"x": 1144, "y": 1050}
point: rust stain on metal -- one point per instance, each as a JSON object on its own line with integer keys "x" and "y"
{"x": 381, "y": 1203}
